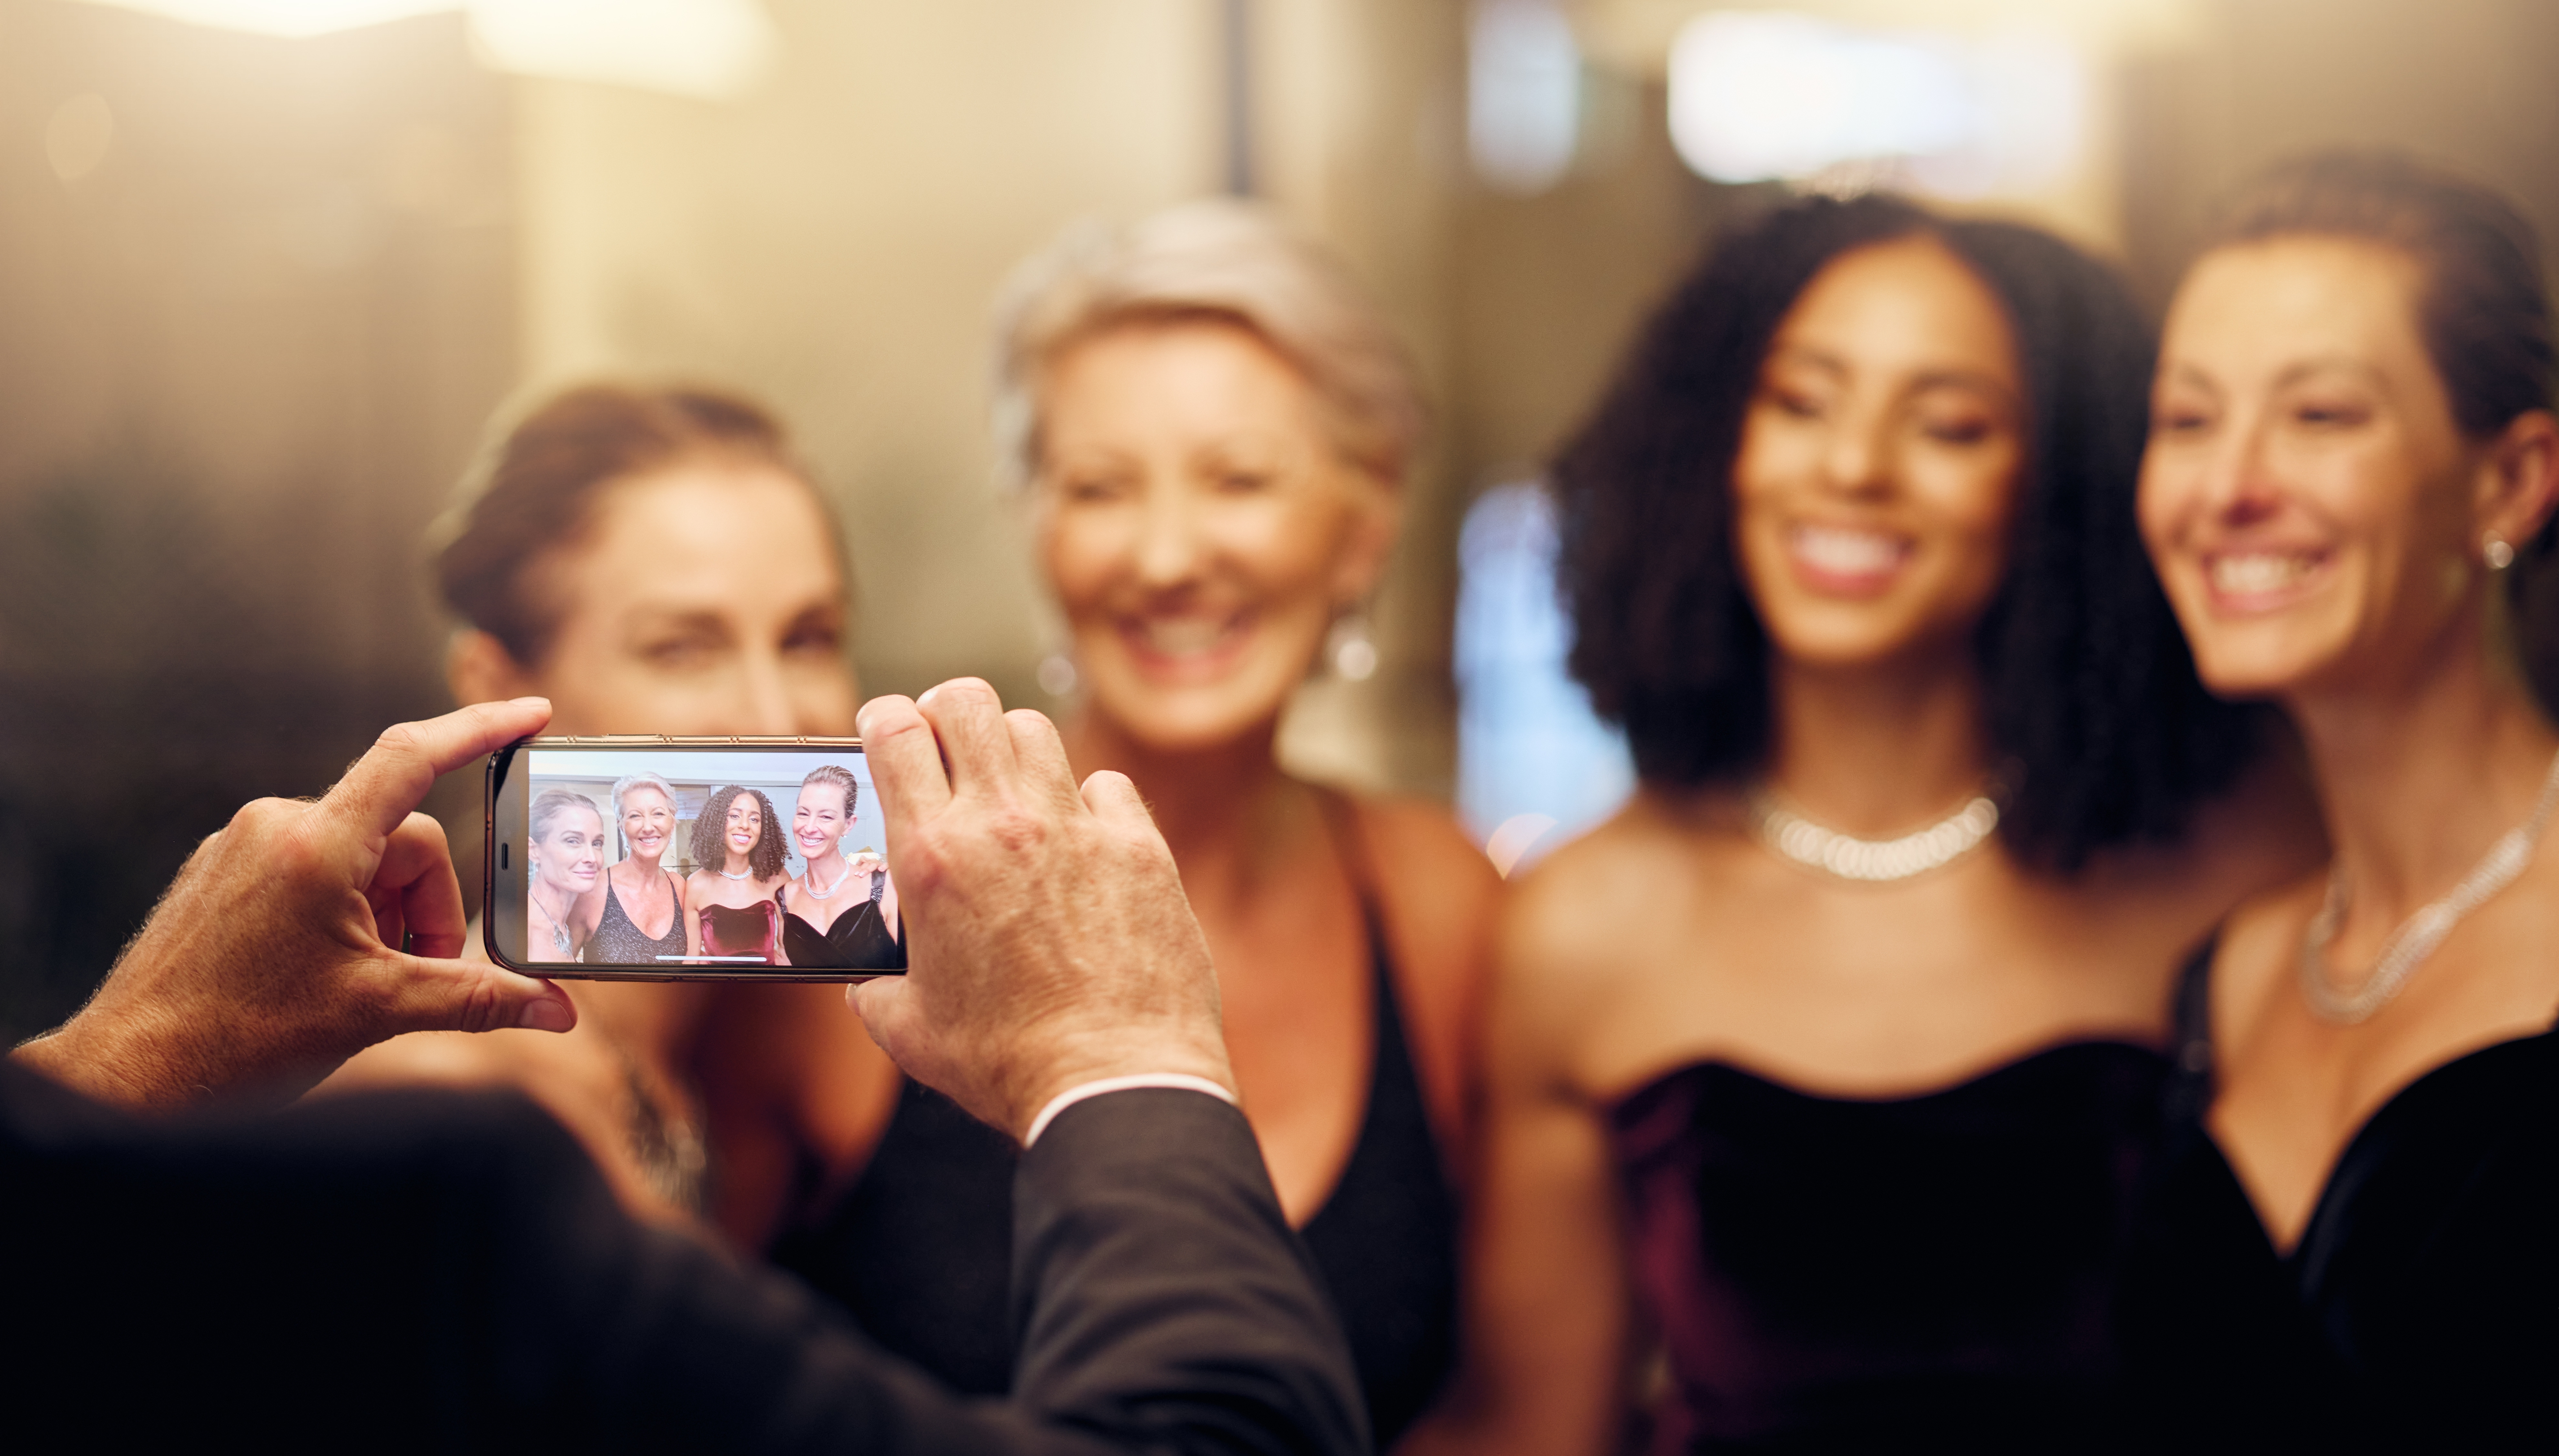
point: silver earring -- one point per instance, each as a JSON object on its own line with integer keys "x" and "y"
{"x": 2499, "y": 555}
{"x": 1350, "y": 649}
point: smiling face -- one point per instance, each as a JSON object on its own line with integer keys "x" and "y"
{"x": 648, "y": 823}
{"x": 1198, "y": 527}
{"x": 1879, "y": 460}
{"x": 571, "y": 856}
{"x": 745, "y": 826}
{"x": 2307, "y": 497}
{"x": 818, "y": 821}
{"x": 704, "y": 601}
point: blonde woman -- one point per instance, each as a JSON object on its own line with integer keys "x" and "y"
{"x": 567, "y": 855}
{"x": 841, "y": 911}
{"x": 1213, "y": 428}
{"x": 639, "y": 910}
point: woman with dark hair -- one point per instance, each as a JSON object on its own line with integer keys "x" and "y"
{"x": 657, "y": 559}
{"x": 1837, "y": 1052}
{"x": 733, "y": 903}
{"x": 2352, "y": 467}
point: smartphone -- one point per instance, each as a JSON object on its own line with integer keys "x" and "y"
{"x": 652, "y": 859}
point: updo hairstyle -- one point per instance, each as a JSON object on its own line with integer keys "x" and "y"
{"x": 551, "y": 804}
{"x": 1213, "y": 261}
{"x": 842, "y": 778}
{"x": 535, "y": 493}
{"x": 2482, "y": 305}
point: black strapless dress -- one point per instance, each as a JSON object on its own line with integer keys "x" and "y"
{"x": 858, "y": 940}
{"x": 1915, "y": 1274}
{"x": 2420, "y": 1311}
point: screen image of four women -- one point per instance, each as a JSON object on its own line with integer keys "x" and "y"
{"x": 2078, "y": 972}
{"x": 741, "y": 907}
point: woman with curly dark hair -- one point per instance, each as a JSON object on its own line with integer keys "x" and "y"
{"x": 733, "y": 903}
{"x": 1837, "y": 1052}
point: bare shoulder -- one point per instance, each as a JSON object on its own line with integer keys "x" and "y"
{"x": 1438, "y": 880}
{"x": 1437, "y": 894}
{"x": 1583, "y": 908}
{"x": 1592, "y": 922}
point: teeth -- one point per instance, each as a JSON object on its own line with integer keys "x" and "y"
{"x": 1846, "y": 553}
{"x": 1184, "y": 636}
{"x": 2259, "y": 572}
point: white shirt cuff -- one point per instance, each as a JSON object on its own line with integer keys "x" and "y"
{"x": 1074, "y": 1094}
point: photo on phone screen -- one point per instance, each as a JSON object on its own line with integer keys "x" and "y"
{"x": 676, "y": 858}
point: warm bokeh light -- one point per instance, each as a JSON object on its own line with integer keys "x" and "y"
{"x": 713, "y": 49}
{"x": 1757, "y": 96}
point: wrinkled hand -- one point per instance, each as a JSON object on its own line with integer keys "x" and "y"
{"x": 1048, "y": 940}
{"x": 276, "y": 954}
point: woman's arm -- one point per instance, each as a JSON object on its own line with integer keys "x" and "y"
{"x": 693, "y": 916}
{"x": 1548, "y": 1309}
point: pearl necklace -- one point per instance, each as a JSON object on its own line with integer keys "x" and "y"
{"x": 2420, "y": 934}
{"x": 810, "y": 881}
{"x": 1873, "y": 860}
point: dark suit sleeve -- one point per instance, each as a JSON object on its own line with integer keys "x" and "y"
{"x": 1160, "y": 1291}
{"x": 426, "y": 1271}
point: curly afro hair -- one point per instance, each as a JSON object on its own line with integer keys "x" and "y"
{"x": 710, "y": 833}
{"x": 2092, "y": 702}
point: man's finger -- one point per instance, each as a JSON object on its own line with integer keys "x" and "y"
{"x": 1042, "y": 756}
{"x": 968, "y": 720}
{"x": 474, "y": 995}
{"x": 905, "y": 762}
{"x": 378, "y": 790}
{"x": 1114, "y": 799}
{"x": 419, "y": 865}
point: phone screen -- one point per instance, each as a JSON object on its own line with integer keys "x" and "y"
{"x": 688, "y": 858}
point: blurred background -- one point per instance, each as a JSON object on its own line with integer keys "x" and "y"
{"x": 266, "y": 267}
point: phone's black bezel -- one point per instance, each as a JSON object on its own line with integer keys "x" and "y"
{"x": 502, "y": 899}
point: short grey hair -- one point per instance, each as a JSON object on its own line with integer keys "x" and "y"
{"x": 1220, "y": 260}
{"x": 642, "y": 779}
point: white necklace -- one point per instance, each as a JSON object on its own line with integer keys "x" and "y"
{"x": 1873, "y": 860}
{"x": 747, "y": 873}
{"x": 812, "y": 881}
{"x": 2421, "y": 934}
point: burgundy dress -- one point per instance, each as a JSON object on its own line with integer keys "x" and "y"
{"x": 748, "y": 930}
{"x": 1915, "y": 1274}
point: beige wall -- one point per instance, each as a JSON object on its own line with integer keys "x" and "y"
{"x": 833, "y": 244}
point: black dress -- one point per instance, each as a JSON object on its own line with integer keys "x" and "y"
{"x": 1915, "y": 1274}
{"x": 917, "y": 1249}
{"x": 856, "y": 939}
{"x": 2420, "y": 1310}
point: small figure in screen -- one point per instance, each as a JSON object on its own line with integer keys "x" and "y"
{"x": 732, "y": 907}
{"x": 822, "y": 925}
{"x": 566, "y": 856}
{"x": 639, "y": 903}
